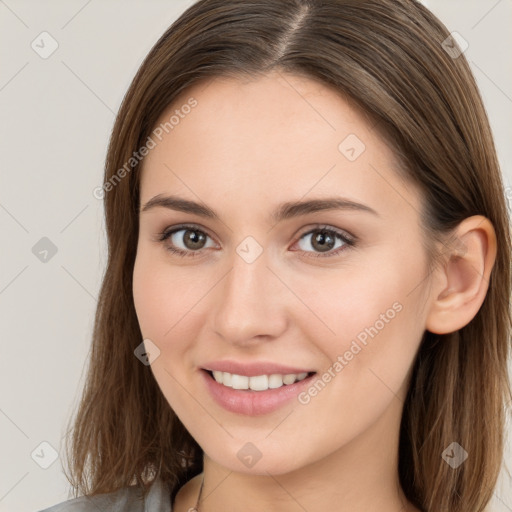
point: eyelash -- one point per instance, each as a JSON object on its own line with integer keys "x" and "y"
{"x": 348, "y": 241}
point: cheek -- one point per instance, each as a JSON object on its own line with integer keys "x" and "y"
{"x": 162, "y": 297}
{"x": 164, "y": 308}
{"x": 168, "y": 302}
{"x": 149, "y": 297}
{"x": 366, "y": 322}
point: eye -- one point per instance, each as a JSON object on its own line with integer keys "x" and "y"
{"x": 189, "y": 241}
{"x": 324, "y": 239}
{"x": 184, "y": 240}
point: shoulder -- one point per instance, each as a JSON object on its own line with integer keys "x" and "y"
{"x": 186, "y": 497}
{"x": 127, "y": 499}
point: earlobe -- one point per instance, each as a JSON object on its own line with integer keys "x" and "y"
{"x": 463, "y": 280}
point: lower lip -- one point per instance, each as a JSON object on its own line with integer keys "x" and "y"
{"x": 253, "y": 403}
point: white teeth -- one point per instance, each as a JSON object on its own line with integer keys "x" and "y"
{"x": 226, "y": 379}
{"x": 275, "y": 381}
{"x": 259, "y": 382}
{"x": 289, "y": 379}
{"x": 239, "y": 381}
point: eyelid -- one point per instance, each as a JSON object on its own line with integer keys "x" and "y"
{"x": 318, "y": 227}
{"x": 313, "y": 227}
{"x": 168, "y": 231}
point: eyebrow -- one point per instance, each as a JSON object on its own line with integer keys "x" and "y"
{"x": 284, "y": 211}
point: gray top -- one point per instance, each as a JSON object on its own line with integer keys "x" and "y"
{"x": 127, "y": 499}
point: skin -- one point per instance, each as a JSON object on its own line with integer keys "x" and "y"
{"x": 248, "y": 146}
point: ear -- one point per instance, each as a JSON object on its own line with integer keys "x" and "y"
{"x": 462, "y": 282}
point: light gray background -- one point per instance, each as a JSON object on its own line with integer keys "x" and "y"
{"x": 57, "y": 114}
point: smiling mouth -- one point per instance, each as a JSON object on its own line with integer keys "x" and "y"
{"x": 257, "y": 383}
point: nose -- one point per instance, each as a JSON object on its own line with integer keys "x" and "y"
{"x": 251, "y": 303}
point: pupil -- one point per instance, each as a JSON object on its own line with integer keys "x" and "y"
{"x": 325, "y": 240}
{"x": 196, "y": 240}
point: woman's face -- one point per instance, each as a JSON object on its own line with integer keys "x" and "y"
{"x": 259, "y": 283}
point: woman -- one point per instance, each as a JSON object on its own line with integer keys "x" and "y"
{"x": 306, "y": 303}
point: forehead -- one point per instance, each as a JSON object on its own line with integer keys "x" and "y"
{"x": 275, "y": 137}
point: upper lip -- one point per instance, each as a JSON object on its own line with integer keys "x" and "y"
{"x": 253, "y": 369}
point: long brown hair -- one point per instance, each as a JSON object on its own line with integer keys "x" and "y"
{"x": 388, "y": 57}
